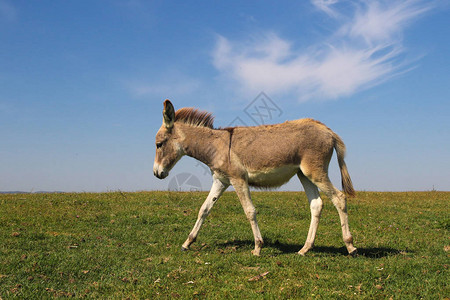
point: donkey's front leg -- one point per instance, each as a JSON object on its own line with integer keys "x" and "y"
{"x": 243, "y": 192}
{"x": 218, "y": 187}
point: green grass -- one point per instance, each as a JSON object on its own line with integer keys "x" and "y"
{"x": 127, "y": 245}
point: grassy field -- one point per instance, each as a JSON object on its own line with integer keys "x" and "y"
{"x": 127, "y": 245}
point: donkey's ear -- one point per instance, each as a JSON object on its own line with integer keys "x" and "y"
{"x": 168, "y": 114}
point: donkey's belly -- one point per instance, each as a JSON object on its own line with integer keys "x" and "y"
{"x": 272, "y": 177}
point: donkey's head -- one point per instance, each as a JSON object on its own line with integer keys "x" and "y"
{"x": 168, "y": 148}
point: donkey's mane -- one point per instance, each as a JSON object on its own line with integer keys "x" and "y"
{"x": 194, "y": 117}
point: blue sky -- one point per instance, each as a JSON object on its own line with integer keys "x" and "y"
{"x": 82, "y": 85}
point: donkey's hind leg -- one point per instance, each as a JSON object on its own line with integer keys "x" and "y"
{"x": 340, "y": 202}
{"x": 315, "y": 204}
{"x": 218, "y": 187}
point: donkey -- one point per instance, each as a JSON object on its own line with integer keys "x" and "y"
{"x": 260, "y": 156}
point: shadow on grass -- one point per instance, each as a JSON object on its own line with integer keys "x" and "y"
{"x": 376, "y": 252}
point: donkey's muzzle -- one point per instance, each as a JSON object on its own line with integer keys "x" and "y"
{"x": 160, "y": 175}
{"x": 159, "y": 171}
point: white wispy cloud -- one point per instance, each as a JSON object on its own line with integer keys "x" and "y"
{"x": 364, "y": 50}
{"x": 381, "y": 22}
{"x": 326, "y": 6}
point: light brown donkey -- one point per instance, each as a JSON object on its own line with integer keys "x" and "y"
{"x": 260, "y": 156}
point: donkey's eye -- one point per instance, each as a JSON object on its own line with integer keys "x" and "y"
{"x": 159, "y": 145}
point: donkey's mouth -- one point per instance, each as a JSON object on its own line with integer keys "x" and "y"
{"x": 159, "y": 171}
{"x": 161, "y": 175}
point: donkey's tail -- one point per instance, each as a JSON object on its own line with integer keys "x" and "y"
{"x": 347, "y": 184}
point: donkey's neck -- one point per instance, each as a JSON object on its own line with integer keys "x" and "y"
{"x": 204, "y": 144}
